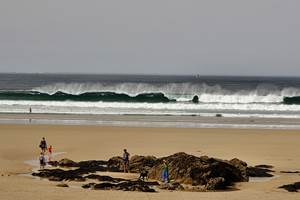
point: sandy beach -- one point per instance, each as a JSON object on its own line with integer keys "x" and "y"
{"x": 20, "y": 143}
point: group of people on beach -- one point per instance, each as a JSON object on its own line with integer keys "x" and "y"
{"x": 44, "y": 149}
{"x": 165, "y": 167}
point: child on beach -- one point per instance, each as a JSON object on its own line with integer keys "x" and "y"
{"x": 126, "y": 161}
{"x": 50, "y": 152}
{"x": 42, "y": 160}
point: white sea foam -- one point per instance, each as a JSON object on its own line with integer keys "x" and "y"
{"x": 180, "y": 91}
{"x": 203, "y": 109}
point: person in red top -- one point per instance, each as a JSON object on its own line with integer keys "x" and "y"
{"x": 50, "y": 152}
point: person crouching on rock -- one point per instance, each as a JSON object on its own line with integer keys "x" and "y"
{"x": 126, "y": 161}
{"x": 42, "y": 160}
{"x": 165, "y": 172}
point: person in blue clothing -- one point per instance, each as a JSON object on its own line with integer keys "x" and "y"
{"x": 126, "y": 161}
{"x": 165, "y": 172}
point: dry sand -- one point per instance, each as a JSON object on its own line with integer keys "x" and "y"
{"x": 19, "y": 143}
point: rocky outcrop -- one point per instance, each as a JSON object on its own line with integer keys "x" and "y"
{"x": 98, "y": 165}
{"x": 139, "y": 163}
{"x": 264, "y": 166}
{"x": 65, "y": 162}
{"x": 294, "y": 187}
{"x": 195, "y": 99}
{"x": 61, "y": 175}
{"x": 125, "y": 186}
{"x": 171, "y": 186}
{"x": 201, "y": 173}
{"x": 62, "y": 185}
{"x": 136, "y": 163}
{"x": 105, "y": 178}
{"x": 259, "y": 172}
{"x": 242, "y": 166}
{"x": 290, "y": 172}
{"x": 211, "y": 172}
{"x": 115, "y": 164}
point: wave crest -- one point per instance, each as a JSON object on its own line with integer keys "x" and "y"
{"x": 263, "y": 93}
{"x": 88, "y": 97}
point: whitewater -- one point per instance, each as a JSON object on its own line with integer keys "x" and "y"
{"x": 150, "y": 95}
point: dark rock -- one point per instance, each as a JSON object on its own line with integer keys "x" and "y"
{"x": 216, "y": 184}
{"x": 134, "y": 186}
{"x": 259, "y": 172}
{"x": 104, "y": 178}
{"x": 290, "y": 172}
{"x": 59, "y": 174}
{"x": 195, "y": 99}
{"x": 53, "y": 163}
{"x": 171, "y": 186}
{"x": 65, "y": 162}
{"x": 104, "y": 186}
{"x": 62, "y": 185}
{"x": 93, "y": 164}
{"x": 125, "y": 186}
{"x": 139, "y": 163}
{"x": 294, "y": 187}
{"x": 115, "y": 164}
{"x": 189, "y": 169}
{"x": 264, "y": 166}
{"x": 242, "y": 166}
{"x": 54, "y": 178}
{"x": 89, "y": 185}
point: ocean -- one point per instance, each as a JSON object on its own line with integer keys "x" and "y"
{"x": 262, "y": 97}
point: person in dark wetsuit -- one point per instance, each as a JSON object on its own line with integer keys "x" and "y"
{"x": 126, "y": 161}
{"x": 43, "y": 145}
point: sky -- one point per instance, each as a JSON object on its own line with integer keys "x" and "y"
{"x": 205, "y": 37}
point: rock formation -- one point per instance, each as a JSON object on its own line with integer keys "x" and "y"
{"x": 202, "y": 172}
{"x": 294, "y": 187}
{"x": 195, "y": 99}
{"x": 211, "y": 172}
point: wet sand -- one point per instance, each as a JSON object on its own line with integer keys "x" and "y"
{"x": 166, "y": 121}
{"x": 19, "y": 143}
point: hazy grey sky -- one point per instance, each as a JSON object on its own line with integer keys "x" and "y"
{"x": 224, "y": 37}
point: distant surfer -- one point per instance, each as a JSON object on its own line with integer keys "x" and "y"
{"x": 30, "y": 110}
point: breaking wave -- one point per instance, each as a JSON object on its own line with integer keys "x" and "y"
{"x": 87, "y": 97}
{"x": 262, "y": 93}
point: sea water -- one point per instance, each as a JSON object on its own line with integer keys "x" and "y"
{"x": 150, "y": 95}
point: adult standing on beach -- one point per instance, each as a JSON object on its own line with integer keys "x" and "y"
{"x": 165, "y": 172}
{"x": 43, "y": 145}
{"x": 126, "y": 160}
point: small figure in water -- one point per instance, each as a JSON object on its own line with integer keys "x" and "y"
{"x": 43, "y": 145}
{"x": 30, "y": 110}
{"x": 165, "y": 172}
{"x": 42, "y": 160}
{"x": 126, "y": 160}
